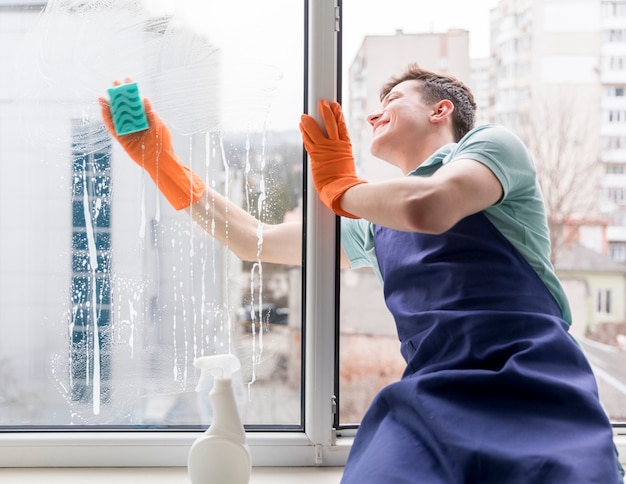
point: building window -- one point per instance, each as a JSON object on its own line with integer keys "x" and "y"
{"x": 614, "y": 9}
{"x": 616, "y": 115}
{"x": 603, "y": 301}
{"x": 616, "y": 35}
{"x": 615, "y": 91}
{"x": 614, "y": 142}
{"x": 616, "y": 194}
{"x": 614, "y": 169}
{"x": 617, "y": 251}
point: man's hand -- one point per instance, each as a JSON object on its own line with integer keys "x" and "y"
{"x": 332, "y": 162}
{"x": 152, "y": 150}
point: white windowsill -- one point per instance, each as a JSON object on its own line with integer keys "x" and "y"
{"x": 175, "y": 475}
{"x": 158, "y": 475}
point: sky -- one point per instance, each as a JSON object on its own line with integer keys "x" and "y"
{"x": 361, "y": 17}
{"x": 370, "y": 17}
{"x": 269, "y": 27}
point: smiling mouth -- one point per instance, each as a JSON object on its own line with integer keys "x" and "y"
{"x": 378, "y": 126}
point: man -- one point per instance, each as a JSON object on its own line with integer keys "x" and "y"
{"x": 495, "y": 390}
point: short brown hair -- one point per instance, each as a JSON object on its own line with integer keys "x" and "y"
{"x": 436, "y": 87}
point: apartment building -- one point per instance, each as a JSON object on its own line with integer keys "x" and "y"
{"x": 564, "y": 64}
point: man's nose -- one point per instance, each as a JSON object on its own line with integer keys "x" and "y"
{"x": 371, "y": 118}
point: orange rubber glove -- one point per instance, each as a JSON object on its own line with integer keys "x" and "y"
{"x": 332, "y": 162}
{"x": 152, "y": 150}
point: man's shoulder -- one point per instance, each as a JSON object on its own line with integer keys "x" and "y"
{"x": 496, "y": 142}
{"x": 491, "y": 132}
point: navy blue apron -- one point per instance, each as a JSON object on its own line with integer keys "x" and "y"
{"x": 495, "y": 389}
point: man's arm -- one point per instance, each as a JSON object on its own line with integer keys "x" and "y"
{"x": 244, "y": 235}
{"x": 429, "y": 205}
{"x": 248, "y": 238}
{"x": 414, "y": 204}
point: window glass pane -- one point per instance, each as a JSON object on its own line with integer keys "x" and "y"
{"x": 111, "y": 293}
{"x": 491, "y": 45}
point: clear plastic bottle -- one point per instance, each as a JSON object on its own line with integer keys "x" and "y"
{"x": 220, "y": 455}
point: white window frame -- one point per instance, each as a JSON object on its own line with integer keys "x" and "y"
{"x": 319, "y": 444}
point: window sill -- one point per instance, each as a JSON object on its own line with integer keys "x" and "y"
{"x": 169, "y": 475}
{"x": 156, "y": 449}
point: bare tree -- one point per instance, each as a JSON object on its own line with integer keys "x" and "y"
{"x": 563, "y": 137}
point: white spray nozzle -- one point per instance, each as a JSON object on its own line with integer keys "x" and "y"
{"x": 218, "y": 366}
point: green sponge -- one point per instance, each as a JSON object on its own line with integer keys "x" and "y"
{"x": 129, "y": 115}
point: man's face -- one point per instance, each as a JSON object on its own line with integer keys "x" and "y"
{"x": 401, "y": 122}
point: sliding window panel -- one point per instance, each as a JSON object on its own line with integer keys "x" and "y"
{"x": 107, "y": 293}
{"x": 548, "y": 98}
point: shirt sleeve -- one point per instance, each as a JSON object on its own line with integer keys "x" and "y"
{"x": 504, "y": 154}
{"x": 357, "y": 242}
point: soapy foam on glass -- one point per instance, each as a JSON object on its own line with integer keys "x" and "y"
{"x": 175, "y": 68}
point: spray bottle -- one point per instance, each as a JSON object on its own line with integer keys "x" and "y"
{"x": 220, "y": 455}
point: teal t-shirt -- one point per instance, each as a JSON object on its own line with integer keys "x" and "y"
{"x": 519, "y": 215}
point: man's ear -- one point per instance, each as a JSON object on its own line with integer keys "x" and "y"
{"x": 442, "y": 110}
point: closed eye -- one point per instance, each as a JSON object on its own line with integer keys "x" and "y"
{"x": 390, "y": 98}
